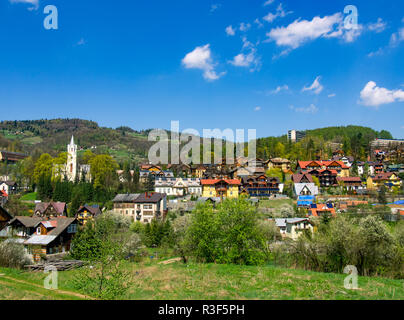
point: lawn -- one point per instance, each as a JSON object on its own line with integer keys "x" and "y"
{"x": 29, "y": 196}
{"x": 276, "y": 203}
{"x": 153, "y": 281}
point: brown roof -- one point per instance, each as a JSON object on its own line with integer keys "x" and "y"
{"x": 150, "y": 197}
{"x": 95, "y": 211}
{"x": 298, "y": 177}
{"x": 58, "y": 206}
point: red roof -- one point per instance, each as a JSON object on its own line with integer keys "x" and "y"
{"x": 214, "y": 181}
{"x": 321, "y": 163}
{"x": 4, "y": 194}
{"x": 383, "y": 176}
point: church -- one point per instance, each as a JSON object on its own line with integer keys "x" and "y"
{"x": 73, "y": 170}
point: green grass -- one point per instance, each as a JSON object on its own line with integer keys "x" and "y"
{"x": 29, "y": 196}
{"x": 153, "y": 281}
{"x": 276, "y": 204}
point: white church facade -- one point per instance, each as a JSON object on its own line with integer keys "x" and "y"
{"x": 73, "y": 170}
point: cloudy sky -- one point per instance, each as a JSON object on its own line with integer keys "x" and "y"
{"x": 268, "y": 65}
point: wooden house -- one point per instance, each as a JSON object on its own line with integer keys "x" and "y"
{"x": 259, "y": 186}
{"x": 86, "y": 213}
{"x": 50, "y": 209}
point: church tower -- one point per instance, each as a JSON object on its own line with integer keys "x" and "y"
{"x": 71, "y": 166}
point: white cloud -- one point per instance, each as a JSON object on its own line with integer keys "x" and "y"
{"x": 374, "y": 96}
{"x": 316, "y": 87}
{"x": 244, "y": 26}
{"x": 310, "y": 109}
{"x": 268, "y": 2}
{"x": 256, "y": 109}
{"x": 279, "y": 89}
{"x": 280, "y": 13}
{"x": 35, "y": 3}
{"x": 397, "y": 37}
{"x": 378, "y": 26}
{"x": 230, "y": 31}
{"x": 332, "y": 95}
{"x": 302, "y": 31}
{"x": 200, "y": 58}
{"x": 247, "y": 59}
{"x": 258, "y": 23}
{"x": 214, "y": 7}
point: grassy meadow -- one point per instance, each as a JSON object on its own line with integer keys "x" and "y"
{"x": 151, "y": 280}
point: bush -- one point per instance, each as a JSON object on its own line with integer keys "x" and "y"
{"x": 227, "y": 234}
{"x": 365, "y": 243}
{"x": 13, "y": 255}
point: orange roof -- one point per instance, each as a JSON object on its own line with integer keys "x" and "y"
{"x": 3, "y": 193}
{"x": 214, "y": 181}
{"x": 321, "y": 163}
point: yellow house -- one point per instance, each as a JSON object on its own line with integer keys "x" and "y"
{"x": 388, "y": 179}
{"x": 222, "y": 188}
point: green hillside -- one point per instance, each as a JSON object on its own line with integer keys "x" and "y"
{"x": 153, "y": 281}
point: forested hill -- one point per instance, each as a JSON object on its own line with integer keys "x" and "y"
{"x": 320, "y": 143}
{"x": 52, "y": 136}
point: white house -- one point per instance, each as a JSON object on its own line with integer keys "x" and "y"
{"x": 306, "y": 189}
{"x": 178, "y": 186}
{"x": 293, "y": 227}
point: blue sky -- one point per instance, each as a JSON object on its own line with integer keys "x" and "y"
{"x": 265, "y": 65}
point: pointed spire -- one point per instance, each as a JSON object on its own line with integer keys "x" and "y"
{"x": 72, "y": 141}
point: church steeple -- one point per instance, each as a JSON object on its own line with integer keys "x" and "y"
{"x": 72, "y": 141}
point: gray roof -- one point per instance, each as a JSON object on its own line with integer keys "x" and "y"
{"x": 127, "y": 197}
{"x": 28, "y": 222}
{"x": 282, "y": 222}
{"x": 204, "y": 199}
{"x": 41, "y": 240}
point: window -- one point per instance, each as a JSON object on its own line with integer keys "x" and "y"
{"x": 38, "y": 230}
{"x": 72, "y": 228}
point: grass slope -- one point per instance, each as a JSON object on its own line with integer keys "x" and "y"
{"x": 153, "y": 281}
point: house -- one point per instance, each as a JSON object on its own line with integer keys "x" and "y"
{"x": 347, "y": 160}
{"x": 302, "y": 178}
{"x": 318, "y": 210}
{"x": 350, "y": 183}
{"x": 5, "y": 217}
{"x": 305, "y": 189}
{"x": 373, "y": 168}
{"x": 141, "y": 207}
{"x": 198, "y": 171}
{"x": 293, "y": 228}
{"x": 337, "y": 166}
{"x": 178, "y": 186}
{"x": 279, "y": 163}
{"x": 222, "y": 188}
{"x": 327, "y": 178}
{"x": 21, "y": 227}
{"x": 50, "y": 209}
{"x": 239, "y": 173}
{"x": 387, "y": 179}
{"x": 51, "y": 237}
{"x": 11, "y": 157}
{"x": 122, "y": 175}
{"x": 154, "y": 171}
{"x": 180, "y": 170}
{"x": 86, "y": 213}
{"x": 259, "y": 186}
{"x": 9, "y": 187}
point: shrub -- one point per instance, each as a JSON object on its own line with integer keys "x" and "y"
{"x": 13, "y": 255}
{"x": 227, "y": 234}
